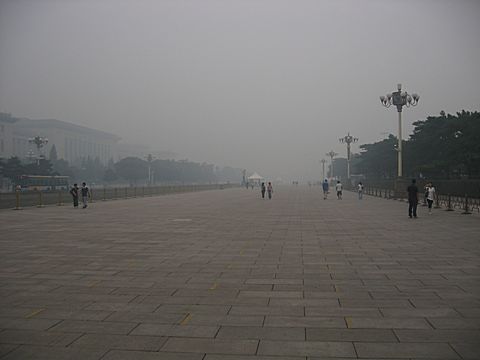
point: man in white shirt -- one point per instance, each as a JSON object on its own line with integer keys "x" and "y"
{"x": 338, "y": 188}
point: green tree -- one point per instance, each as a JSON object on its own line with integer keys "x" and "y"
{"x": 132, "y": 169}
{"x": 53, "y": 154}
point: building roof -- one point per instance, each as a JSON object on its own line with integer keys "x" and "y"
{"x": 63, "y": 125}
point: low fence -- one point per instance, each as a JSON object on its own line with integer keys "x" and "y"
{"x": 19, "y": 199}
{"x": 450, "y": 202}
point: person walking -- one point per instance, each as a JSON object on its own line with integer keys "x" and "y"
{"x": 325, "y": 189}
{"x": 430, "y": 193}
{"x": 412, "y": 191}
{"x": 360, "y": 191}
{"x": 74, "y": 193}
{"x": 339, "y": 188}
{"x": 85, "y": 195}
{"x": 269, "y": 190}
{"x": 263, "y": 190}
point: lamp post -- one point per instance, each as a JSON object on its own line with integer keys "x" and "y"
{"x": 332, "y": 154}
{"x": 323, "y": 161}
{"x": 400, "y": 99}
{"x": 149, "y": 159}
{"x": 348, "y": 139}
{"x": 39, "y": 142}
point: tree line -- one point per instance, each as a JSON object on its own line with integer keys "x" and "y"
{"x": 441, "y": 147}
{"x": 133, "y": 170}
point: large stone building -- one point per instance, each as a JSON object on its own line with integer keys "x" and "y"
{"x": 72, "y": 142}
{"x": 6, "y": 135}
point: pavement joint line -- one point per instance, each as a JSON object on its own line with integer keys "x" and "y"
{"x": 32, "y": 314}
{"x": 186, "y": 319}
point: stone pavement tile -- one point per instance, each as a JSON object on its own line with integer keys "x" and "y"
{"x": 176, "y": 330}
{"x": 6, "y": 348}
{"x": 272, "y": 294}
{"x": 405, "y": 350}
{"x": 30, "y": 352}
{"x": 98, "y": 327}
{"x": 306, "y": 348}
{"x": 275, "y": 281}
{"x": 194, "y": 309}
{"x": 229, "y": 320}
{"x": 454, "y": 323}
{"x": 33, "y": 337}
{"x": 377, "y": 335}
{"x": 304, "y": 322}
{"x": 468, "y": 312}
{"x": 424, "y": 312}
{"x": 146, "y": 355}
{"x": 469, "y": 351}
{"x": 460, "y": 336}
{"x": 234, "y": 301}
{"x": 305, "y": 302}
{"x": 154, "y": 318}
{"x": 72, "y": 315}
{"x": 387, "y": 323}
{"x": 27, "y": 323}
{"x": 212, "y": 346}
{"x": 267, "y": 310}
{"x": 336, "y": 295}
{"x": 264, "y": 333}
{"x": 338, "y": 311}
{"x": 133, "y": 307}
{"x": 365, "y": 303}
{"x": 122, "y": 342}
{"x": 248, "y": 357}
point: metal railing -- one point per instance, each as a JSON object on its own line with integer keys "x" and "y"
{"x": 450, "y": 202}
{"x": 19, "y": 199}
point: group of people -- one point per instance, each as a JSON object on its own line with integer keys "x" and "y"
{"x": 84, "y": 191}
{"x": 268, "y": 189}
{"x": 339, "y": 189}
{"x": 429, "y": 197}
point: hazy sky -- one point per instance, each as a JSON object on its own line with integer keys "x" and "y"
{"x": 268, "y": 85}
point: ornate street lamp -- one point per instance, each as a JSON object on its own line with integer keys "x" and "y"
{"x": 399, "y": 99}
{"x": 39, "y": 142}
{"x": 323, "y": 161}
{"x": 332, "y": 154}
{"x": 348, "y": 139}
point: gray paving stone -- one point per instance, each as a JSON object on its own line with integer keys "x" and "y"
{"x": 405, "y": 350}
{"x": 99, "y": 327}
{"x": 123, "y": 342}
{"x": 211, "y": 346}
{"x": 304, "y": 322}
{"x": 467, "y": 350}
{"x": 387, "y": 323}
{"x": 176, "y": 330}
{"x": 450, "y": 336}
{"x": 306, "y": 348}
{"x": 32, "y": 337}
{"x": 264, "y": 333}
{"x": 375, "y": 335}
{"x": 30, "y": 352}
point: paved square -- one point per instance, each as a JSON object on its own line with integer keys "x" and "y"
{"x": 226, "y": 275}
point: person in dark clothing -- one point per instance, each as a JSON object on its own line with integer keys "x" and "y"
{"x": 263, "y": 188}
{"x": 74, "y": 193}
{"x": 85, "y": 195}
{"x": 269, "y": 190}
{"x": 412, "y": 199}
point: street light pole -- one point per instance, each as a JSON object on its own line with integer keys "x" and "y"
{"x": 39, "y": 142}
{"x": 400, "y": 99}
{"x": 332, "y": 154}
{"x": 323, "y": 161}
{"x": 348, "y": 139}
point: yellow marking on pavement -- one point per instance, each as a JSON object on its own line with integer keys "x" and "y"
{"x": 95, "y": 283}
{"x": 186, "y": 319}
{"x": 214, "y": 286}
{"x": 36, "y": 312}
{"x": 348, "y": 320}
{"x": 241, "y": 252}
{"x": 336, "y": 288}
